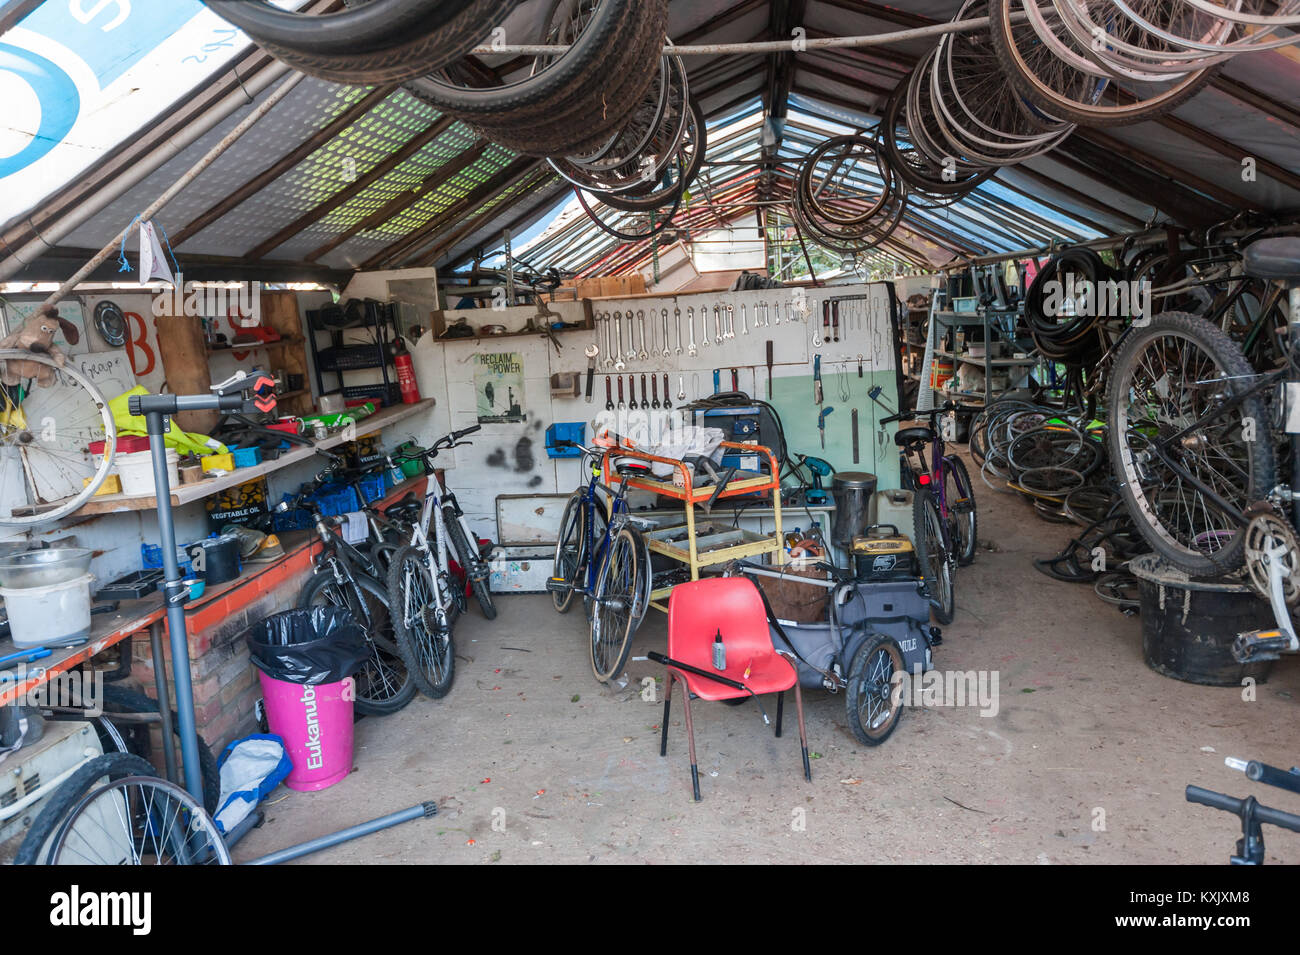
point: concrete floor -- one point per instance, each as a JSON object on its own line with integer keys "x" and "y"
{"x": 530, "y": 760}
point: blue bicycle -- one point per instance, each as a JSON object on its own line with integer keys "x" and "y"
{"x": 602, "y": 555}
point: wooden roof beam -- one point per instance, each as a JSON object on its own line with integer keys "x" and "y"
{"x": 400, "y": 203}
{"x": 381, "y": 169}
{"x": 286, "y": 162}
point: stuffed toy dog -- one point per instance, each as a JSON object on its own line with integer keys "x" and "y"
{"x": 37, "y": 336}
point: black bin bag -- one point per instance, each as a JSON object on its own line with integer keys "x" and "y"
{"x": 311, "y": 646}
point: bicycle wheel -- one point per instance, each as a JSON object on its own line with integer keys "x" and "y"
{"x": 423, "y": 631}
{"x": 932, "y": 554}
{"x": 1053, "y": 71}
{"x": 383, "y": 684}
{"x": 570, "y": 552}
{"x": 959, "y": 495}
{"x": 45, "y": 436}
{"x": 870, "y": 701}
{"x": 619, "y": 591}
{"x": 137, "y": 736}
{"x": 138, "y": 820}
{"x": 476, "y": 569}
{"x": 34, "y": 848}
{"x": 1167, "y": 377}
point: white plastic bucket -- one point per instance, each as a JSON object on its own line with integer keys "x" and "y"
{"x": 136, "y": 471}
{"x": 57, "y": 615}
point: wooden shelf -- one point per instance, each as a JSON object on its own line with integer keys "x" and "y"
{"x": 187, "y": 493}
{"x": 256, "y": 346}
{"x": 491, "y": 338}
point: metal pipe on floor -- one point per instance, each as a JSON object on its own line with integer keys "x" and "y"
{"x": 424, "y": 810}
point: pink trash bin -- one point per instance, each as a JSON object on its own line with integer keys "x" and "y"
{"x": 305, "y": 660}
{"x": 315, "y": 723}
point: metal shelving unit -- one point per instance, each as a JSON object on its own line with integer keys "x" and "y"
{"x": 339, "y": 358}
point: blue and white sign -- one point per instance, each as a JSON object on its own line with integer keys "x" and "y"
{"x": 78, "y": 77}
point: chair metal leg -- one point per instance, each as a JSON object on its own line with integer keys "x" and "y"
{"x": 780, "y": 709}
{"x": 668, "y": 699}
{"x": 690, "y": 734}
{"x": 803, "y": 736}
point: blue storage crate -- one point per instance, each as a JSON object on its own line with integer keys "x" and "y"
{"x": 330, "y": 499}
{"x": 574, "y": 431}
{"x": 151, "y": 558}
{"x": 373, "y": 487}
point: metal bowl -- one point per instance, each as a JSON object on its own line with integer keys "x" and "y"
{"x": 40, "y": 568}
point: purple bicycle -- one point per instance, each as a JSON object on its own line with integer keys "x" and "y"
{"x": 943, "y": 508}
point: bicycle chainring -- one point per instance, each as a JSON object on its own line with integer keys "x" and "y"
{"x": 1269, "y": 536}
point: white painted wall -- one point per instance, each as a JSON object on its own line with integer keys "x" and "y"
{"x": 511, "y": 458}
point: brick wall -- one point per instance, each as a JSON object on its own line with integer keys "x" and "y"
{"x": 225, "y": 681}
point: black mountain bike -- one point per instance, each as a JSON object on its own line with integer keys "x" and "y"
{"x": 346, "y": 577}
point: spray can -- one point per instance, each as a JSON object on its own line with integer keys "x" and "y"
{"x": 719, "y": 652}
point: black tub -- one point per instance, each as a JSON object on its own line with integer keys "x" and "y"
{"x": 1188, "y": 625}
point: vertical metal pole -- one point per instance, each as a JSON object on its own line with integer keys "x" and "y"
{"x": 164, "y": 700}
{"x": 654, "y": 247}
{"x": 510, "y": 270}
{"x": 174, "y": 595}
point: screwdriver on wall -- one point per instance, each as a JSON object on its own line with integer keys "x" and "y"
{"x": 821, "y": 423}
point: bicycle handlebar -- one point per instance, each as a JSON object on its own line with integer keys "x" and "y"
{"x": 1264, "y": 814}
{"x": 1272, "y": 776}
{"x": 447, "y": 441}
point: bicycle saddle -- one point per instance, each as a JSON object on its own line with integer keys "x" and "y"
{"x": 631, "y": 467}
{"x": 1274, "y": 259}
{"x": 919, "y": 434}
{"x": 405, "y": 505}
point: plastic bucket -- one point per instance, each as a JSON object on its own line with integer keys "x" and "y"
{"x": 56, "y": 615}
{"x": 136, "y": 471}
{"x": 315, "y": 723}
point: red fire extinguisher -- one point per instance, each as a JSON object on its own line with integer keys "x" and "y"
{"x": 406, "y": 374}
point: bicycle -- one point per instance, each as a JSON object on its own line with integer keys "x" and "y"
{"x": 345, "y": 577}
{"x": 1250, "y": 847}
{"x": 602, "y": 555}
{"x": 1191, "y": 434}
{"x": 943, "y": 508}
{"x": 420, "y": 582}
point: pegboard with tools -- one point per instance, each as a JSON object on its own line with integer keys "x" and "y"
{"x": 650, "y": 354}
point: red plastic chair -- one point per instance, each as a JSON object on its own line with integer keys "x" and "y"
{"x": 698, "y": 612}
